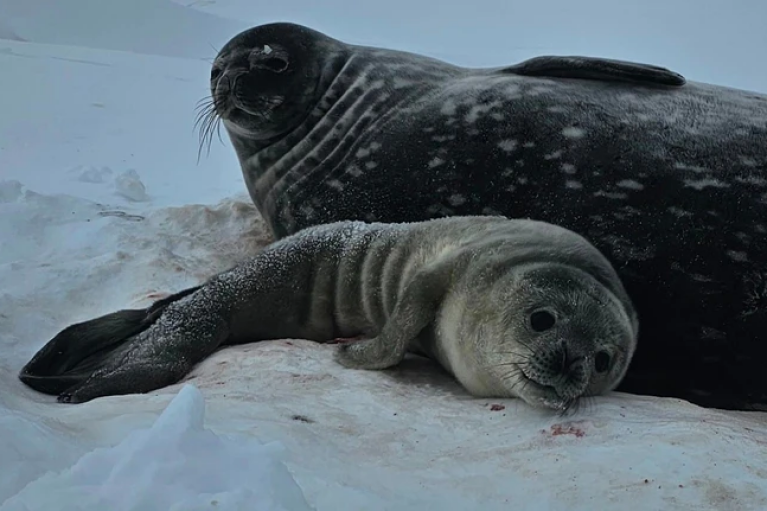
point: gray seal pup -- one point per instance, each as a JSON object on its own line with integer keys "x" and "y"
{"x": 511, "y": 308}
{"x": 667, "y": 177}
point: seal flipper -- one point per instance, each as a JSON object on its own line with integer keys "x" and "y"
{"x": 593, "y": 68}
{"x": 80, "y": 349}
{"x": 414, "y": 311}
{"x": 159, "y": 356}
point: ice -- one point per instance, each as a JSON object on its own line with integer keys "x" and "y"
{"x": 103, "y": 206}
{"x": 173, "y": 465}
{"x": 129, "y": 185}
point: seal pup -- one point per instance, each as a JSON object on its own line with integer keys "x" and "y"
{"x": 508, "y": 307}
{"x": 667, "y": 177}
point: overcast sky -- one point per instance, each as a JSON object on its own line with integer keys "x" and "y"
{"x": 723, "y": 41}
{"x": 719, "y": 41}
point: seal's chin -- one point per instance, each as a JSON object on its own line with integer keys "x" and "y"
{"x": 253, "y": 120}
{"x": 543, "y": 395}
{"x": 240, "y": 120}
{"x": 239, "y": 129}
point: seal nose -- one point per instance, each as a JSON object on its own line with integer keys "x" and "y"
{"x": 569, "y": 375}
{"x": 225, "y": 83}
{"x": 569, "y": 362}
{"x": 574, "y": 375}
{"x": 224, "y": 88}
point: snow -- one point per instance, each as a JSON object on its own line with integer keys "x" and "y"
{"x": 228, "y": 473}
{"x": 103, "y": 205}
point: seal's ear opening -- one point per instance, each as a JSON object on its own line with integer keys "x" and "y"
{"x": 80, "y": 350}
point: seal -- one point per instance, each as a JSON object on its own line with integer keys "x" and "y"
{"x": 664, "y": 175}
{"x": 511, "y": 308}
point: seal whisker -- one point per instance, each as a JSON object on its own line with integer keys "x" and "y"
{"x": 514, "y": 364}
{"x": 205, "y": 99}
{"x": 202, "y": 114}
{"x": 569, "y": 407}
{"x": 204, "y": 105}
{"x": 521, "y": 355}
{"x": 215, "y": 50}
{"x": 207, "y": 122}
{"x": 203, "y": 118}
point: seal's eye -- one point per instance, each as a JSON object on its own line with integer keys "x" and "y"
{"x": 602, "y": 361}
{"x": 542, "y": 320}
{"x": 215, "y": 73}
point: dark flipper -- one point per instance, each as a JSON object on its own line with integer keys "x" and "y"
{"x": 79, "y": 350}
{"x": 592, "y": 68}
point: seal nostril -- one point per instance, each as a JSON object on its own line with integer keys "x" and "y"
{"x": 602, "y": 361}
{"x": 275, "y": 64}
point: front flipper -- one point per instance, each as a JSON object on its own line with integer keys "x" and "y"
{"x": 79, "y": 350}
{"x": 593, "y": 68}
{"x": 415, "y": 309}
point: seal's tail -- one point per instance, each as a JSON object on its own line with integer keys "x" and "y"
{"x": 79, "y": 350}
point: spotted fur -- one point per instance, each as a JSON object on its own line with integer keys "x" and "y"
{"x": 667, "y": 177}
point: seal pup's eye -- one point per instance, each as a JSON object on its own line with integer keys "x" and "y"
{"x": 602, "y": 361}
{"x": 215, "y": 72}
{"x": 542, "y": 320}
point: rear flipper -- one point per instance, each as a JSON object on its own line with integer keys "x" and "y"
{"x": 157, "y": 357}
{"x": 126, "y": 351}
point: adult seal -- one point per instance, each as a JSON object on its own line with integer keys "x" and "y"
{"x": 509, "y": 307}
{"x": 665, "y": 176}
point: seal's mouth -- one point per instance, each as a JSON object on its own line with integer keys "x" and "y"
{"x": 545, "y": 394}
{"x": 224, "y": 104}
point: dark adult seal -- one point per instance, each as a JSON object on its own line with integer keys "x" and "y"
{"x": 665, "y": 176}
{"x": 511, "y": 308}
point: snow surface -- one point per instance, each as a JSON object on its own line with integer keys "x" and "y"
{"x": 104, "y": 206}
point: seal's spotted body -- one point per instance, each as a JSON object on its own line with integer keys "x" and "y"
{"x": 668, "y": 178}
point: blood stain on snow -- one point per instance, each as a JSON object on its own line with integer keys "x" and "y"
{"x": 496, "y": 408}
{"x": 345, "y": 340}
{"x": 157, "y": 295}
{"x": 566, "y": 428}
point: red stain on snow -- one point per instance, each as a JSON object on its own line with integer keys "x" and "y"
{"x": 345, "y": 340}
{"x": 497, "y": 408}
{"x": 566, "y": 429}
{"x": 157, "y": 296}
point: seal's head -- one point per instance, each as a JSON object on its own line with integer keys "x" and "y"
{"x": 547, "y": 333}
{"x": 264, "y": 81}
